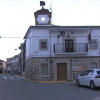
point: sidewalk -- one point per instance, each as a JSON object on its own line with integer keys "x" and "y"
{"x": 20, "y": 76}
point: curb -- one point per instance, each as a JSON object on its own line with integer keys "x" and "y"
{"x": 74, "y": 80}
{"x": 68, "y": 82}
{"x": 49, "y": 81}
{"x": 54, "y": 81}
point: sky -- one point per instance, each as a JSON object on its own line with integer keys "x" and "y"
{"x": 17, "y": 15}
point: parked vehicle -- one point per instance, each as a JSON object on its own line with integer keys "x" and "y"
{"x": 90, "y": 77}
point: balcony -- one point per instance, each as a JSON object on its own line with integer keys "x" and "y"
{"x": 70, "y": 48}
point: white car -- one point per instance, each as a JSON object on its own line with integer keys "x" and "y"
{"x": 90, "y": 77}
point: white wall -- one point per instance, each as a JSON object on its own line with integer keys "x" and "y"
{"x": 14, "y": 62}
{"x": 28, "y": 47}
{"x": 4, "y": 64}
{"x": 39, "y": 34}
{"x": 32, "y": 44}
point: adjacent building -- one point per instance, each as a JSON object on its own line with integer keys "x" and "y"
{"x": 3, "y": 67}
{"x": 22, "y": 58}
{"x": 13, "y": 64}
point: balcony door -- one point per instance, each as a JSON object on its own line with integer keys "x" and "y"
{"x": 69, "y": 46}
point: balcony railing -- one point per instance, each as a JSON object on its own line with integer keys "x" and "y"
{"x": 70, "y": 48}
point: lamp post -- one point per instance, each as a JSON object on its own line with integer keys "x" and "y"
{"x": 19, "y": 69}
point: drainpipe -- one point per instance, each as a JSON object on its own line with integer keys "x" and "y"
{"x": 50, "y": 54}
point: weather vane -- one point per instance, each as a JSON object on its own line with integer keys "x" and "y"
{"x": 42, "y": 3}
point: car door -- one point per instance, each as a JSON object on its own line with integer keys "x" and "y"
{"x": 82, "y": 77}
{"x": 88, "y": 77}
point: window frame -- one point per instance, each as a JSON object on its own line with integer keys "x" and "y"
{"x": 40, "y": 69}
{"x": 96, "y": 48}
{"x": 43, "y": 40}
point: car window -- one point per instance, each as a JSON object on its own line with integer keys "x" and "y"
{"x": 98, "y": 72}
{"x": 85, "y": 73}
{"x": 88, "y": 72}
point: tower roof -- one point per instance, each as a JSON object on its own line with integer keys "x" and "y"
{"x": 43, "y": 10}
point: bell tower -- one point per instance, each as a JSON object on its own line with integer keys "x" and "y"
{"x": 42, "y": 16}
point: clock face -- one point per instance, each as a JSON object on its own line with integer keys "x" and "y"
{"x": 42, "y": 18}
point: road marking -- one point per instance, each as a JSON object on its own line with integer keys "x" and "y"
{"x": 11, "y": 77}
{"x": 5, "y": 77}
{"x": 18, "y": 78}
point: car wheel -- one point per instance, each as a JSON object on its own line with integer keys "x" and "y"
{"x": 92, "y": 85}
{"x": 77, "y": 83}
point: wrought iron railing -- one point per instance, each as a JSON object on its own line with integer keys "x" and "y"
{"x": 70, "y": 48}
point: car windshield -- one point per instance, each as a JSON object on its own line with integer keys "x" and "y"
{"x": 98, "y": 72}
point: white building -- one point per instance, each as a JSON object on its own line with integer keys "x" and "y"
{"x": 13, "y": 64}
{"x": 50, "y": 57}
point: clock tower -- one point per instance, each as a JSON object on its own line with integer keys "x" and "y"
{"x": 42, "y": 16}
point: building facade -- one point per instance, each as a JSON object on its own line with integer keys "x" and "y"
{"x": 22, "y": 58}
{"x": 54, "y": 53}
{"x": 13, "y": 64}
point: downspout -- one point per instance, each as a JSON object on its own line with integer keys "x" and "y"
{"x": 50, "y": 46}
{"x": 50, "y": 55}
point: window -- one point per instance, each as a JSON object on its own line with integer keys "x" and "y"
{"x": 87, "y": 72}
{"x": 84, "y": 73}
{"x": 90, "y": 72}
{"x": 0, "y": 64}
{"x": 98, "y": 72}
{"x": 93, "y": 44}
{"x": 93, "y": 65}
{"x": 44, "y": 69}
{"x": 43, "y": 44}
